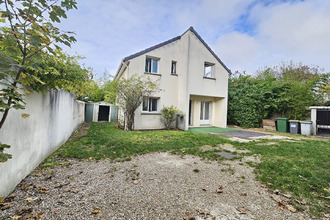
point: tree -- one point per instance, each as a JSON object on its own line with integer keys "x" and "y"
{"x": 170, "y": 114}
{"x": 28, "y": 38}
{"x": 31, "y": 53}
{"x": 130, "y": 93}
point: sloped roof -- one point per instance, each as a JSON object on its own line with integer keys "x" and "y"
{"x": 175, "y": 39}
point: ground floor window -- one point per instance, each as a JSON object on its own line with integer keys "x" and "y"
{"x": 150, "y": 104}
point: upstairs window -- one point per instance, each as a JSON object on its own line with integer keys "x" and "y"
{"x": 173, "y": 68}
{"x": 151, "y": 65}
{"x": 150, "y": 104}
{"x": 208, "y": 70}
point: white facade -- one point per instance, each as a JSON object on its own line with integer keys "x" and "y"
{"x": 199, "y": 86}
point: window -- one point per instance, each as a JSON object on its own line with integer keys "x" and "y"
{"x": 150, "y": 104}
{"x": 173, "y": 68}
{"x": 151, "y": 65}
{"x": 208, "y": 70}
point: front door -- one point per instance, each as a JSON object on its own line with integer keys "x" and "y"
{"x": 205, "y": 113}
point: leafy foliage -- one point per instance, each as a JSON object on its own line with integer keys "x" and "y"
{"x": 4, "y": 156}
{"x": 130, "y": 93}
{"x": 27, "y": 40}
{"x": 170, "y": 114}
{"x": 31, "y": 53}
{"x": 285, "y": 90}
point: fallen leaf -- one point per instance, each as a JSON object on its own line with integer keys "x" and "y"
{"x": 53, "y": 210}
{"x": 25, "y": 116}
{"x": 287, "y": 196}
{"x": 323, "y": 197}
{"x": 48, "y": 177}
{"x": 189, "y": 218}
{"x": 1, "y": 199}
{"x": 96, "y": 211}
{"x": 241, "y": 210}
{"x": 276, "y": 198}
{"x": 263, "y": 186}
{"x": 313, "y": 187}
{"x": 61, "y": 185}
{"x": 276, "y": 191}
{"x": 220, "y": 189}
{"x": 41, "y": 214}
{"x": 281, "y": 207}
{"x": 136, "y": 182}
{"x": 243, "y": 194}
{"x": 203, "y": 212}
{"x": 300, "y": 202}
{"x": 290, "y": 208}
{"x": 16, "y": 217}
{"x": 6, "y": 205}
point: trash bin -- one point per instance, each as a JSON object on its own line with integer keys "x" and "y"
{"x": 294, "y": 126}
{"x": 282, "y": 124}
{"x": 306, "y": 128}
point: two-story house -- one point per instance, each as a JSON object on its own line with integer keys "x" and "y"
{"x": 191, "y": 76}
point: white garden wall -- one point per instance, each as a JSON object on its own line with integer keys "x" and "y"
{"x": 53, "y": 118}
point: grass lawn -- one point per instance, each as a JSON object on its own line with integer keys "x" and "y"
{"x": 301, "y": 168}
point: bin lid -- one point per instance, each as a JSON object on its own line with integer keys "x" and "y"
{"x": 282, "y": 119}
{"x": 306, "y": 122}
{"x": 294, "y": 121}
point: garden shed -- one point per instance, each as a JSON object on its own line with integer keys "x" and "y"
{"x": 320, "y": 116}
{"x": 100, "y": 111}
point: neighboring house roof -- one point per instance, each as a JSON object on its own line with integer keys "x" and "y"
{"x": 170, "y": 41}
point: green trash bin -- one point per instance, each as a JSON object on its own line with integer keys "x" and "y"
{"x": 282, "y": 124}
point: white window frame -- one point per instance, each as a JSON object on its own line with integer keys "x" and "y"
{"x": 208, "y": 70}
{"x": 148, "y": 103}
{"x": 150, "y": 68}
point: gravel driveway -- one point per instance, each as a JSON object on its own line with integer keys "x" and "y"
{"x": 151, "y": 186}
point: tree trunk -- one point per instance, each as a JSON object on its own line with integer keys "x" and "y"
{"x": 130, "y": 120}
{"x": 5, "y": 114}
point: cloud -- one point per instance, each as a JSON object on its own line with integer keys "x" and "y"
{"x": 283, "y": 31}
{"x": 246, "y": 34}
{"x": 237, "y": 50}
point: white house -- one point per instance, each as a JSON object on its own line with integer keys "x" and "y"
{"x": 191, "y": 76}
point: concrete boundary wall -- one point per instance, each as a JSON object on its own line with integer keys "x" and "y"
{"x": 53, "y": 118}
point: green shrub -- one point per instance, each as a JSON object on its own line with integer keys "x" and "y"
{"x": 286, "y": 90}
{"x": 170, "y": 114}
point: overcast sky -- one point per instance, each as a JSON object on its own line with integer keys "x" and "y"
{"x": 245, "y": 34}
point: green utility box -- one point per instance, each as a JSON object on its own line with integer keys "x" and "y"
{"x": 282, "y": 124}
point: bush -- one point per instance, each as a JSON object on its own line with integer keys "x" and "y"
{"x": 170, "y": 114}
{"x": 286, "y": 91}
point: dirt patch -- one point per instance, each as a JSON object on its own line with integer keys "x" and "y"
{"x": 151, "y": 186}
{"x": 82, "y": 130}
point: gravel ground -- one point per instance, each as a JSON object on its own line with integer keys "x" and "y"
{"x": 151, "y": 186}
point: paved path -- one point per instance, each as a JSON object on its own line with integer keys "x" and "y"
{"x": 242, "y": 134}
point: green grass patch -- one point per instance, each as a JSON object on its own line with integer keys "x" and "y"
{"x": 299, "y": 168}
{"x": 202, "y": 130}
{"x": 105, "y": 140}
